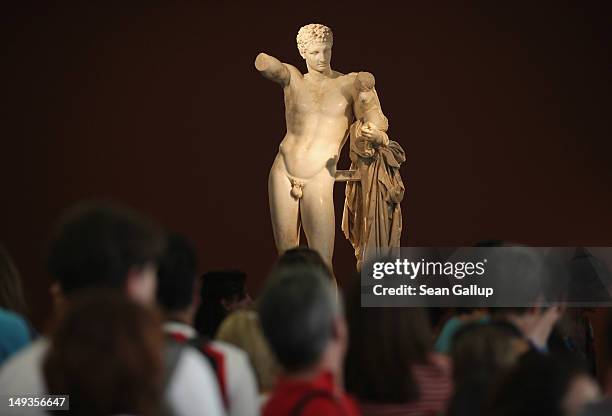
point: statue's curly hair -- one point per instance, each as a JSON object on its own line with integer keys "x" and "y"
{"x": 313, "y": 33}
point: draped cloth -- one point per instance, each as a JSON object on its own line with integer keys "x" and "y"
{"x": 372, "y": 217}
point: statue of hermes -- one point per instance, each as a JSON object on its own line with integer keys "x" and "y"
{"x": 319, "y": 109}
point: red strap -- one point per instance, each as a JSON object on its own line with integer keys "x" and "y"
{"x": 220, "y": 364}
{"x": 178, "y": 337}
{"x": 217, "y": 358}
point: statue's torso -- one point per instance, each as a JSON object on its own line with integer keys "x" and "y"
{"x": 318, "y": 116}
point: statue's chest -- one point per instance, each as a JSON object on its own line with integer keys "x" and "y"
{"x": 311, "y": 98}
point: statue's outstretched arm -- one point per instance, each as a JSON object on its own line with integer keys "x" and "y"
{"x": 273, "y": 69}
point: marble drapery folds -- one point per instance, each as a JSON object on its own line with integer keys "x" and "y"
{"x": 372, "y": 217}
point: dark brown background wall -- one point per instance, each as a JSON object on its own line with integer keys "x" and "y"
{"x": 504, "y": 112}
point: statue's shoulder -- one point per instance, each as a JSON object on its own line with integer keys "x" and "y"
{"x": 362, "y": 75}
{"x": 346, "y": 78}
{"x": 349, "y": 77}
{"x": 293, "y": 70}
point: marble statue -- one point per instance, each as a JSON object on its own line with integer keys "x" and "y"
{"x": 372, "y": 218}
{"x": 321, "y": 107}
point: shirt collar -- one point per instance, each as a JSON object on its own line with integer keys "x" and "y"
{"x": 174, "y": 327}
{"x": 324, "y": 381}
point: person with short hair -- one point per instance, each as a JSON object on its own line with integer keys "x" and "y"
{"x": 178, "y": 297}
{"x": 107, "y": 246}
{"x": 305, "y": 327}
{"x": 303, "y": 255}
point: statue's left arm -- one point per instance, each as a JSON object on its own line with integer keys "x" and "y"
{"x": 368, "y": 110}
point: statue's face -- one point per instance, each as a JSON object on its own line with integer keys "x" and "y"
{"x": 318, "y": 56}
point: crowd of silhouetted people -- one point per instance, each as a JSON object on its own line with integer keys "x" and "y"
{"x": 137, "y": 330}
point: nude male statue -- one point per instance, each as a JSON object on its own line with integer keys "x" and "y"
{"x": 318, "y": 111}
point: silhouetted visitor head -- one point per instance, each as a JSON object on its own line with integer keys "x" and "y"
{"x": 384, "y": 344}
{"x": 302, "y": 319}
{"x": 177, "y": 287}
{"x": 107, "y": 246}
{"x": 481, "y": 352}
{"x": 11, "y": 289}
{"x": 543, "y": 385}
{"x": 486, "y": 349}
{"x": 222, "y": 292}
{"x": 106, "y": 352}
{"x": 303, "y": 255}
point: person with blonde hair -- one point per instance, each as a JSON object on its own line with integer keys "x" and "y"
{"x": 243, "y": 329}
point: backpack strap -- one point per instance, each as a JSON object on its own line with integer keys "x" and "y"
{"x": 310, "y": 396}
{"x": 217, "y": 362}
{"x": 172, "y": 355}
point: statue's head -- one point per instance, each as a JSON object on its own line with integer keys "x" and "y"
{"x": 315, "y": 43}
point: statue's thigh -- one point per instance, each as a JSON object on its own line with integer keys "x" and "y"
{"x": 317, "y": 212}
{"x": 284, "y": 210}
